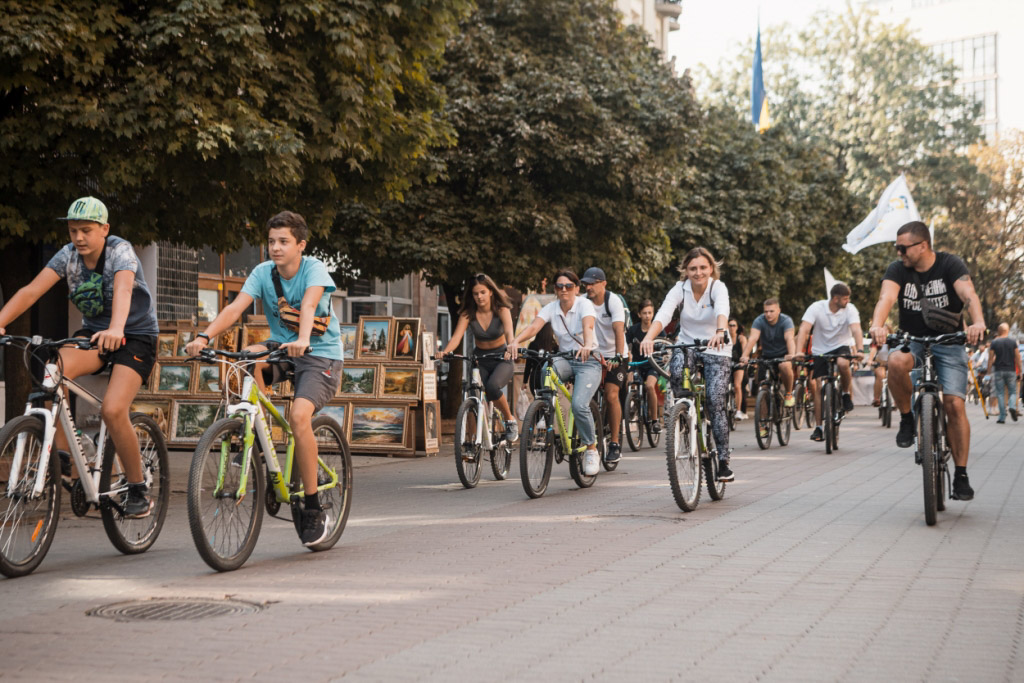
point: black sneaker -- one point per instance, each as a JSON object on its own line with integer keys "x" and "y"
{"x": 847, "y": 403}
{"x": 614, "y": 453}
{"x": 817, "y": 434}
{"x": 961, "y": 488}
{"x": 656, "y": 427}
{"x": 1013, "y": 414}
{"x": 905, "y": 437}
{"x": 315, "y": 525}
{"x": 138, "y": 504}
{"x": 724, "y": 473}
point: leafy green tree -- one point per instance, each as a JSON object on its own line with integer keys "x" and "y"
{"x": 571, "y": 143}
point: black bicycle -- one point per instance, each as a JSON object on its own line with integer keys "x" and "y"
{"x": 638, "y": 415}
{"x": 803, "y": 397}
{"x": 770, "y": 411}
{"x": 933, "y": 450}
{"x": 885, "y": 406}
{"x": 832, "y": 412}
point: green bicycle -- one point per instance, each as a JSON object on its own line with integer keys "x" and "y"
{"x": 689, "y": 443}
{"x": 227, "y": 484}
{"x": 538, "y": 446}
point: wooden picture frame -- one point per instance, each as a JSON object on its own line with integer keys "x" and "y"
{"x": 209, "y": 379}
{"x": 172, "y": 378}
{"x": 400, "y": 382}
{"x": 429, "y": 385}
{"x": 371, "y": 344}
{"x": 254, "y": 334}
{"x": 189, "y": 419}
{"x": 378, "y": 427}
{"x": 431, "y": 425}
{"x": 405, "y": 343}
{"x": 228, "y": 339}
{"x": 349, "y": 339}
{"x": 183, "y": 338}
{"x": 167, "y": 345}
{"x": 340, "y": 411}
{"x": 429, "y": 349}
{"x": 359, "y": 381}
{"x": 159, "y": 410}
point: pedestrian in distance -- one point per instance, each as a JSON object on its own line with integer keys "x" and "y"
{"x": 1004, "y": 359}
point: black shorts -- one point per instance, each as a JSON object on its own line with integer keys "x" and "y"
{"x": 137, "y": 353}
{"x": 314, "y": 378}
{"x": 821, "y": 365}
{"x": 617, "y": 375}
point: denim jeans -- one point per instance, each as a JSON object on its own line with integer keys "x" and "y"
{"x": 1005, "y": 383}
{"x": 586, "y": 380}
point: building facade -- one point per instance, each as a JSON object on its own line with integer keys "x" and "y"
{"x": 657, "y": 17}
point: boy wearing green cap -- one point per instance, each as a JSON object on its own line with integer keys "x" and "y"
{"x": 106, "y": 283}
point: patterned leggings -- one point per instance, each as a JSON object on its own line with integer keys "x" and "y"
{"x": 717, "y": 385}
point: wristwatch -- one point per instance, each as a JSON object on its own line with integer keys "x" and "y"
{"x": 204, "y": 336}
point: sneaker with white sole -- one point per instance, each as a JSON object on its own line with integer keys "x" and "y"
{"x": 511, "y": 431}
{"x": 316, "y": 525}
{"x": 740, "y": 415}
{"x": 591, "y": 462}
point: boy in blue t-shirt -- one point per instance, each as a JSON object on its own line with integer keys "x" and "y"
{"x": 106, "y": 283}
{"x": 305, "y": 308}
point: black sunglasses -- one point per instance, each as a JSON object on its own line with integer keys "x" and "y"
{"x": 902, "y": 248}
{"x": 564, "y": 285}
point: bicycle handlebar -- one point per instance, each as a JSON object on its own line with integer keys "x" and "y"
{"x": 84, "y": 343}
{"x": 271, "y": 356}
{"x": 903, "y": 339}
{"x": 459, "y": 356}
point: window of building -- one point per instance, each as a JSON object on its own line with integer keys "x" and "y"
{"x": 975, "y": 62}
{"x": 373, "y": 297}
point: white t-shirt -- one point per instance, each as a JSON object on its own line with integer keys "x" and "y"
{"x": 698, "y": 319}
{"x": 603, "y": 323}
{"x": 568, "y": 327}
{"x": 831, "y": 330}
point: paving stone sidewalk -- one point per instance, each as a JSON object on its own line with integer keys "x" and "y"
{"x": 815, "y": 567}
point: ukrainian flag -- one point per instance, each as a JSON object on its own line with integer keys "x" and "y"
{"x": 758, "y": 103}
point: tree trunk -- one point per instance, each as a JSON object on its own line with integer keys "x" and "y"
{"x": 453, "y": 390}
{"x": 18, "y": 271}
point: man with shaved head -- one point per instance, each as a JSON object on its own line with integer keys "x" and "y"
{"x": 1004, "y": 363}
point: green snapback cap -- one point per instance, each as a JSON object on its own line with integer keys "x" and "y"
{"x": 87, "y": 209}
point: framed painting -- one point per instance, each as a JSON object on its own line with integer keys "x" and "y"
{"x": 340, "y": 413}
{"x": 189, "y": 419}
{"x": 184, "y": 337}
{"x": 349, "y": 334}
{"x": 431, "y": 425}
{"x": 254, "y": 334}
{"x": 406, "y": 343}
{"x": 166, "y": 344}
{"x": 374, "y": 338}
{"x": 428, "y": 349}
{"x": 429, "y": 385}
{"x": 160, "y": 411}
{"x": 173, "y": 378}
{"x": 401, "y": 382}
{"x": 228, "y": 340}
{"x": 358, "y": 381}
{"x": 377, "y": 427}
{"x": 208, "y": 379}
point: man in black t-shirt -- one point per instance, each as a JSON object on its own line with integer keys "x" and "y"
{"x": 947, "y": 286}
{"x": 1003, "y": 362}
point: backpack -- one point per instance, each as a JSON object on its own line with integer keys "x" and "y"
{"x": 625, "y": 307}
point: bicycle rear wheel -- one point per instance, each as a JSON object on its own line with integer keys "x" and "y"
{"x": 467, "y": 445}
{"x": 332, "y": 450}
{"x": 585, "y": 481}
{"x": 928, "y": 444}
{"x": 730, "y": 409}
{"x": 808, "y": 408}
{"x": 682, "y": 459}
{"x": 128, "y": 535}
{"x": 27, "y": 524}
{"x": 798, "y": 406}
{"x": 225, "y": 527}
{"x": 716, "y": 489}
{"x": 827, "y": 399}
{"x": 536, "y": 448}
{"x": 634, "y": 420}
{"x": 763, "y": 419}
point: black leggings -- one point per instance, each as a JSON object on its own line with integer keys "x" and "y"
{"x": 495, "y": 373}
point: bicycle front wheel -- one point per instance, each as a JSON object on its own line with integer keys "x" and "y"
{"x": 536, "y": 448}
{"x": 467, "y": 446}
{"x": 334, "y": 460}
{"x": 27, "y": 523}
{"x": 224, "y": 523}
{"x": 634, "y": 420}
{"x": 928, "y": 445}
{"x": 716, "y": 489}
{"x": 683, "y": 461}
{"x": 827, "y": 406}
{"x": 501, "y": 455}
{"x": 886, "y": 408}
{"x": 585, "y": 481}
{"x": 784, "y": 421}
{"x": 763, "y": 419}
{"x": 730, "y": 409}
{"x": 128, "y": 535}
{"x": 798, "y": 406}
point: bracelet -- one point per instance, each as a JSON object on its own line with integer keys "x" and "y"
{"x": 203, "y": 335}
{"x": 720, "y": 329}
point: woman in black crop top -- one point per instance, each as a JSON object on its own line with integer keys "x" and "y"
{"x": 487, "y": 311}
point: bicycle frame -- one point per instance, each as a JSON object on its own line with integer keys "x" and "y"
{"x": 694, "y": 408}
{"x": 474, "y": 393}
{"x": 552, "y": 388}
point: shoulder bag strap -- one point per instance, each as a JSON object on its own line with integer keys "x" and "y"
{"x": 278, "y": 289}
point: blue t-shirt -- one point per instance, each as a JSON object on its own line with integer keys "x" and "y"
{"x": 312, "y": 273}
{"x": 773, "y": 337}
{"x": 119, "y": 255}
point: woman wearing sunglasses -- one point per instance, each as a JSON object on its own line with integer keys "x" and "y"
{"x": 572, "y": 320}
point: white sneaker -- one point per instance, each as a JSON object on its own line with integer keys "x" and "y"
{"x": 591, "y": 462}
{"x": 740, "y": 415}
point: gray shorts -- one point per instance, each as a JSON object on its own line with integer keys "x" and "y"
{"x": 316, "y": 378}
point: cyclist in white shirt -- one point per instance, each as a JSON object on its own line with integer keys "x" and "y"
{"x": 836, "y": 324}
{"x": 572, "y": 322}
{"x": 703, "y": 303}
{"x": 610, "y": 329}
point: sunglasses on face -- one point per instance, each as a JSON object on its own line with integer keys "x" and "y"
{"x": 564, "y": 285}
{"x": 901, "y": 249}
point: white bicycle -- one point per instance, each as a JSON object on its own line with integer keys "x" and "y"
{"x": 479, "y": 428}
{"x": 32, "y": 473}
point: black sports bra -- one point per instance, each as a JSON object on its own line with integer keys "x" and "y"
{"x": 493, "y": 332}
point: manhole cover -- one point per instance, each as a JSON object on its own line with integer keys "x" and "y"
{"x": 174, "y": 609}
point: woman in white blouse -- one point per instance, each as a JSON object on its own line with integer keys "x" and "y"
{"x": 572, "y": 321}
{"x": 703, "y": 303}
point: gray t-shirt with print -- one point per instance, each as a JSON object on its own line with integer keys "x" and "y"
{"x": 120, "y": 255}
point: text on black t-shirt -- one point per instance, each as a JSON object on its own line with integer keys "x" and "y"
{"x": 938, "y": 285}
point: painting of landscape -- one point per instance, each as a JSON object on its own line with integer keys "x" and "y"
{"x": 378, "y": 425}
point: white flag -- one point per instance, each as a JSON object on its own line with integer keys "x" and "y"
{"x": 895, "y": 209}
{"x": 829, "y": 281}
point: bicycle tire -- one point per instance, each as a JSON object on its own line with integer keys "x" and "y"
{"x": 536, "y": 448}
{"x": 798, "y": 406}
{"x": 827, "y": 398}
{"x": 836, "y": 422}
{"x": 467, "y": 448}
{"x": 605, "y": 433}
{"x": 661, "y": 358}
{"x": 684, "y": 471}
{"x": 809, "y": 408}
{"x": 333, "y": 451}
{"x": 716, "y": 489}
{"x": 26, "y": 534}
{"x": 928, "y": 446}
{"x": 501, "y": 454}
{"x": 132, "y": 536}
{"x": 730, "y": 409}
{"x": 204, "y": 517}
{"x": 653, "y": 437}
{"x": 784, "y": 423}
{"x": 585, "y": 481}
{"x": 763, "y": 420}
{"x": 886, "y": 408}
{"x": 634, "y": 421}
